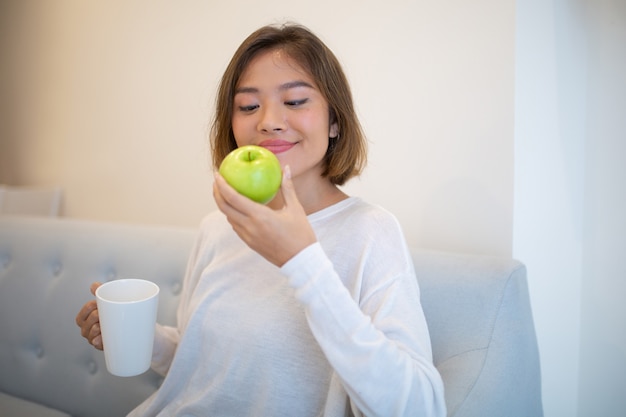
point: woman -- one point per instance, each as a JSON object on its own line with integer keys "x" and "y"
{"x": 307, "y": 306}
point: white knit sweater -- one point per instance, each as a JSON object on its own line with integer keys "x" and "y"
{"x": 337, "y": 330}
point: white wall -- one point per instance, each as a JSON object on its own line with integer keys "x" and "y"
{"x": 569, "y": 205}
{"x": 603, "y": 331}
{"x": 115, "y": 97}
{"x": 549, "y": 174}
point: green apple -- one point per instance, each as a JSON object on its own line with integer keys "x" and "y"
{"x": 253, "y": 171}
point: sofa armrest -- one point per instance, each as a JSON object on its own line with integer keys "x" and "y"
{"x": 484, "y": 343}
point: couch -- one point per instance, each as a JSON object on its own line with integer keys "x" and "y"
{"x": 477, "y": 309}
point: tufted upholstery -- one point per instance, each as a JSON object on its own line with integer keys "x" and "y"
{"x": 46, "y": 268}
{"x": 477, "y": 309}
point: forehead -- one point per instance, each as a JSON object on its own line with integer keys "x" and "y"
{"x": 272, "y": 65}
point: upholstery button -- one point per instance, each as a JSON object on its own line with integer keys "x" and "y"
{"x": 39, "y": 352}
{"x": 111, "y": 275}
{"x": 92, "y": 367}
{"x": 57, "y": 268}
{"x": 5, "y": 260}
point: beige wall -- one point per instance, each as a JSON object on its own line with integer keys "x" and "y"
{"x": 114, "y": 97}
{"x": 111, "y": 100}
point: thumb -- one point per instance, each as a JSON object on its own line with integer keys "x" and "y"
{"x": 94, "y": 287}
{"x": 287, "y": 188}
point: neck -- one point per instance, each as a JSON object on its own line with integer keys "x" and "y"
{"x": 314, "y": 195}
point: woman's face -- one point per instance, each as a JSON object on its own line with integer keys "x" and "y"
{"x": 277, "y": 105}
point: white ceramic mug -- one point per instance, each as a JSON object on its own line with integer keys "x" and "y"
{"x": 127, "y": 310}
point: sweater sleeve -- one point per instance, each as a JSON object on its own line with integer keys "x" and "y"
{"x": 165, "y": 342}
{"x": 380, "y": 349}
{"x": 166, "y": 338}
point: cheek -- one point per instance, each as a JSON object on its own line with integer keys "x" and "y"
{"x": 314, "y": 122}
{"x": 239, "y": 130}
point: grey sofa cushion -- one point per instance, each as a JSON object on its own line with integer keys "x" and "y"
{"x": 16, "y": 407}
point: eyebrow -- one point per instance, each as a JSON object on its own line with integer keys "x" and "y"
{"x": 282, "y": 87}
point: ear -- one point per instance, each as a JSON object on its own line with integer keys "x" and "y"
{"x": 333, "y": 132}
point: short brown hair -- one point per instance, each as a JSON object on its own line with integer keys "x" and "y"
{"x": 347, "y": 154}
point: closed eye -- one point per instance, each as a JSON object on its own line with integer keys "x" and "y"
{"x": 296, "y": 103}
{"x": 247, "y": 109}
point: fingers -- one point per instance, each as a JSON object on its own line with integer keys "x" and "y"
{"x": 95, "y": 339}
{"x": 237, "y": 208}
{"x": 235, "y": 199}
{"x": 225, "y": 196}
{"x": 88, "y": 320}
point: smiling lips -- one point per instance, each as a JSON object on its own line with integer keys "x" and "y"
{"x": 276, "y": 145}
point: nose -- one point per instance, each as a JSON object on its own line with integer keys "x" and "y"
{"x": 272, "y": 119}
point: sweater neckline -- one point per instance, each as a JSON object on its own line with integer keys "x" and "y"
{"x": 332, "y": 209}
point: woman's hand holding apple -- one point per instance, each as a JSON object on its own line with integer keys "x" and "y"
{"x": 277, "y": 235}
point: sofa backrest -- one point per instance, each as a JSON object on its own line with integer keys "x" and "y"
{"x": 46, "y": 268}
{"x": 477, "y": 308}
